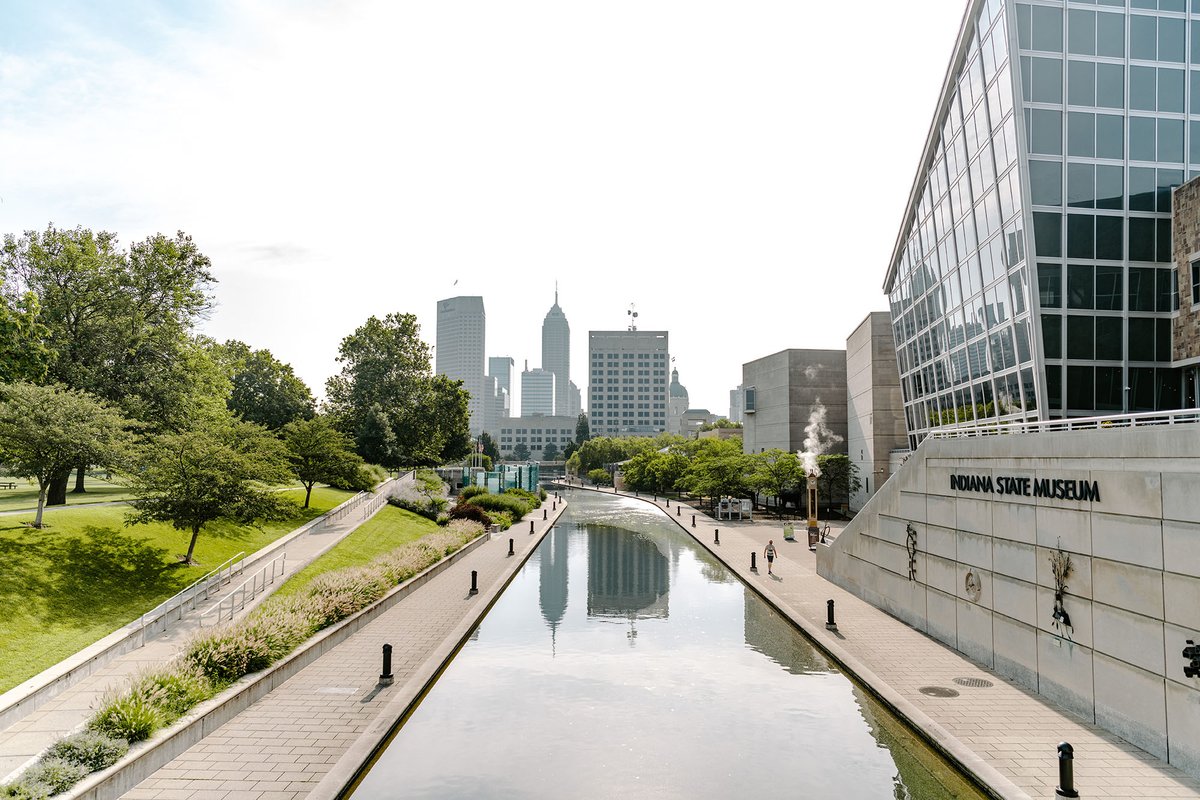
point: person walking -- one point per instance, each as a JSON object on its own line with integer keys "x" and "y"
{"x": 769, "y": 552}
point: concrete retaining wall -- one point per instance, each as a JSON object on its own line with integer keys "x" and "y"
{"x": 981, "y": 578}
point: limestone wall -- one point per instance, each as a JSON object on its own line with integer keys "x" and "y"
{"x": 977, "y": 575}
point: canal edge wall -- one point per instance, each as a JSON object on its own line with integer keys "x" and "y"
{"x": 145, "y": 759}
{"x": 347, "y": 769}
{"x": 987, "y": 777}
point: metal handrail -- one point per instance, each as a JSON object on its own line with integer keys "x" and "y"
{"x": 982, "y": 428}
{"x": 250, "y": 589}
{"x": 199, "y": 590}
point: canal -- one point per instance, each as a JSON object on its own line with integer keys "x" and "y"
{"x": 624, "y": 660}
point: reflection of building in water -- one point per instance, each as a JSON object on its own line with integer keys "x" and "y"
{"x": 773, "y": 636}
{"x": 552, "y": 591}
{"x": 627, "y": 575}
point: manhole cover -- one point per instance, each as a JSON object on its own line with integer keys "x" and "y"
{"x": 976, "y": 683}
{"x": 938, "y": 691}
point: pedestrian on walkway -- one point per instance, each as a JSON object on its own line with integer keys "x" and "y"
{"x": 769, "y": 552}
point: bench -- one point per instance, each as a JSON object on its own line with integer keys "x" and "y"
{"x": 8, "y": 484}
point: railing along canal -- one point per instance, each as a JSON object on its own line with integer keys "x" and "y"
{"x": 1184, "y": 416}
{"x": 236, "y": 600}
{"x": 199, "y": 591}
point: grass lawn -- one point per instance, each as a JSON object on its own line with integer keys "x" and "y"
{"x": 26, "y": 493}
{"x": 87, "y": 574}
{"x": 391, "y": 528}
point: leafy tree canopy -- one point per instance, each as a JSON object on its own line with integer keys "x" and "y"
{"x": 583, "y": 430}
{"x": 319, "y": 453}
{"x": 24, "y": 355}
{"x": 263, "y": 389}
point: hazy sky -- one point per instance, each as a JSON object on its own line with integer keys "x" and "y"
{"x": 736, "y": 170}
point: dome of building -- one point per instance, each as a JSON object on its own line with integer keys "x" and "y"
{"x": 677, "y": 389}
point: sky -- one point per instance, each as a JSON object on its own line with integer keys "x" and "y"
{"x": 735, "y": 171}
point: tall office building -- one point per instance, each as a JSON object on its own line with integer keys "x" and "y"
{"x": 501, "y": 368}
{"x": 460, "y": 347}
{"x": 735, "y": 404}
{"x": 627, "y": 378}
{"x": 556, "y": 354}
{"x": 537, "y": 392}
{"x": 1032, "y": 276}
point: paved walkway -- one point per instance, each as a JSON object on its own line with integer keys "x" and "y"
{"x": 25, "y": 739}
{"x": 283, "y": 745}
{"x": 1011, "y": 729}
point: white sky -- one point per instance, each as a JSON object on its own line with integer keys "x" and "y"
{"x": 737, "y": 170}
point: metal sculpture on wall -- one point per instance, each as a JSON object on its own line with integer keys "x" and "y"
{"x": 1061, "y": 567}
{"x": 973, "y": 586}
{"x": 912, "y": 551}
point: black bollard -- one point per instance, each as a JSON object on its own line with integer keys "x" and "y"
{"x": 753, "y": 561}
{"x": 693, "y": 520}
{"x": 530, "y": 526}
{"x": 668, "y": 502}
{"x": 474, "y": 582}
{"x": 716, "y": 535}
{"x": 1066, "y": 772}
{"x": 544, "y": 514}
{"x": 830, "y": 625}
{"x": 386, "y": 678}
{"x": 554, "y": 506}
{"x": 511, "y": 552}
{"x": 678, "y": 510}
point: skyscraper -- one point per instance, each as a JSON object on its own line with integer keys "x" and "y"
{"x": 538, "y": 387}
{"x": 556, "y": 353}
{"x": 628, "y": 382}
{"x": 1032, "y": 276}
{"x": 461, "y": 323}
{"x": 501, "y": 368}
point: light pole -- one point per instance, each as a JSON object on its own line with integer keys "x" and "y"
{"x": 814, "y": 532}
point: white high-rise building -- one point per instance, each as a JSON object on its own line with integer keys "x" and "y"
{"x": 461, "y": 323}
{"x": 574, "y": 400}
{"x": 501, "y": 368}
{"x": 556, "y": 354}
{"x": 627, "y": 379}
{"x": 537, "y": 392}
{"x": 735, "y": 404}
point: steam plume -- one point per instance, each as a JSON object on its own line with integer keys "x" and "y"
{"x": 817, "y": 439}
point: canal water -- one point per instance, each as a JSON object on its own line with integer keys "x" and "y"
{"x": 625, "y": 661}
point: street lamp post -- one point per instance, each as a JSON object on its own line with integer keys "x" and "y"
{"x": 814, "y": 531}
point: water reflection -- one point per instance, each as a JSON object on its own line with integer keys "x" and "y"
{"x": 774, "y": 637}
{"x": 552, "y": 580}
{"x": 627, "y": 575}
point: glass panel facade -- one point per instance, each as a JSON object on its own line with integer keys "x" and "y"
{"x": 1106, "y": 113}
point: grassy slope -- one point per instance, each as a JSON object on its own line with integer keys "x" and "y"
{"x": 391, "y": 528}
{"x": 73, "y": 583}
{"x": 26, "y": 493}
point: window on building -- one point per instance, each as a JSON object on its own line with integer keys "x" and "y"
{"x": 1195, "y": 285}
{"x": 749, "y": 400}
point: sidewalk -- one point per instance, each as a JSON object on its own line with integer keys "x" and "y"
{"x": 281, "y": 747}
{"x": 998, "y": 724}
{"x": 25, "y": 739}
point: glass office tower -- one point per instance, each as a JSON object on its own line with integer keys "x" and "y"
{"x": 1032, "y": 277}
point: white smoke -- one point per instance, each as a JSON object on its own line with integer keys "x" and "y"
{"x": 810, "y": 372}
{"x": 817, "y": 439}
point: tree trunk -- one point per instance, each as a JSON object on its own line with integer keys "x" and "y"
{"x": 307, "y": 493}
{"x": 192, "y": 546}
{"x": 37, "y": 521}
{"x": 79, "y": 477}
{"x": 56, "y": 494}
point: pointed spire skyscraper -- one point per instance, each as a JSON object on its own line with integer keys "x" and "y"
{"x": 556, "y": 354}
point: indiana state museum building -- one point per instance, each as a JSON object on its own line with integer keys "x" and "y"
{"x": 1045, "y": 303}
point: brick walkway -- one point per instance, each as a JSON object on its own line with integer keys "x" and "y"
{"x": 1011, "y": 729}
{"x": 282, "y": 746}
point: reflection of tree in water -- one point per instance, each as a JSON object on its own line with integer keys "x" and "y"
{"x": 627, "y": 575}
{"x": 552, "y": 591}
{"x": 920, "y": 772}
{"x": 770, "y": 634}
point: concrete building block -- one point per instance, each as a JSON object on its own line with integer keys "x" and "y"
{"x": 939, "y": 541}
{"x": 1060, "y": 527}
{"x": 1134, "y": 540}
{"x": 1015, "y": 651}
{"x": 1017, "y": 523}
{"x": 941, "y": 511}
{"x": 1131, "y": 703}
{"x": 974, "y": 515}
{"x": 942, "y": 612}
{"x": 1176, "y": 638}
{"x": 1079, "y": 609}
{"x": 1079, "y": 583}
{"x": 1181, "y": 601}
{"x": 975, "y": 632}
{"x": 1015, "y": 560}
{"x": 1130, "y": 637}
{"x": 902, "y": 598}
{"x": 1181, "y": 547}
{"x": 1183, "y": 727}
{"x": 1128, "y": 586}
{"x": 894, "y": 530}
{"x": 941, "y": 574}
{"x": 912, "y": 506}
{"x": 1014, "y": 598}
{"x": 1066, "y": 674}
{"x": 1181, "y": 496}
{"x": 1134, "y": 494}
{"x": 937, "y": 480}
{"x": 888, "y": 556}
{"x": 1054, "y": 470}
{"x": 974, "y": 549}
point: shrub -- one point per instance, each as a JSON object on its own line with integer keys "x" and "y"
{"x": 336, "y": 595}
{"x": 472, "y": 512}
{"x": 527, "y": 496}
{"x": 599, "y": 477}
{"x": 56, "y": 774}
{"x": 126, "y": 715}
{"x": 428, "y": 510}
{"x": 358, "y": 478}
{"x": 542, "y": 493}
{"x": 23, "y": 789}
{"x": 513, "y": 504}
{"x": 91, "y": 750}
{"x": 173, "y": 689}
{"x": 471, "y": 491}
{"x": 228, "y": 653}
{"x": 502, "y": 519}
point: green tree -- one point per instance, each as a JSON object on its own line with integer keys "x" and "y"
{"x": 24, "y": 355}
{"x": 600, "y": 477}
{"x": 447, "y": 422}
{"x": 717, "y": 468}
{"x": 550, "y": 452}
{"x": 220, "y": 470}
{"x": 319, "y": 453}
{"x": 838, "y": 480}
{"x": 568, "y": 450}
{"x": 583, "y": 431}
{"x": 45, "y": 430}
{"x": 776, "y": 473}
{"x": 521, "y": 452}
{"x": 263, "y": 389}
{"x": 490, "y": 447}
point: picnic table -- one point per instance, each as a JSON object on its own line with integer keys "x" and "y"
{"x": 8, "y": 484}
